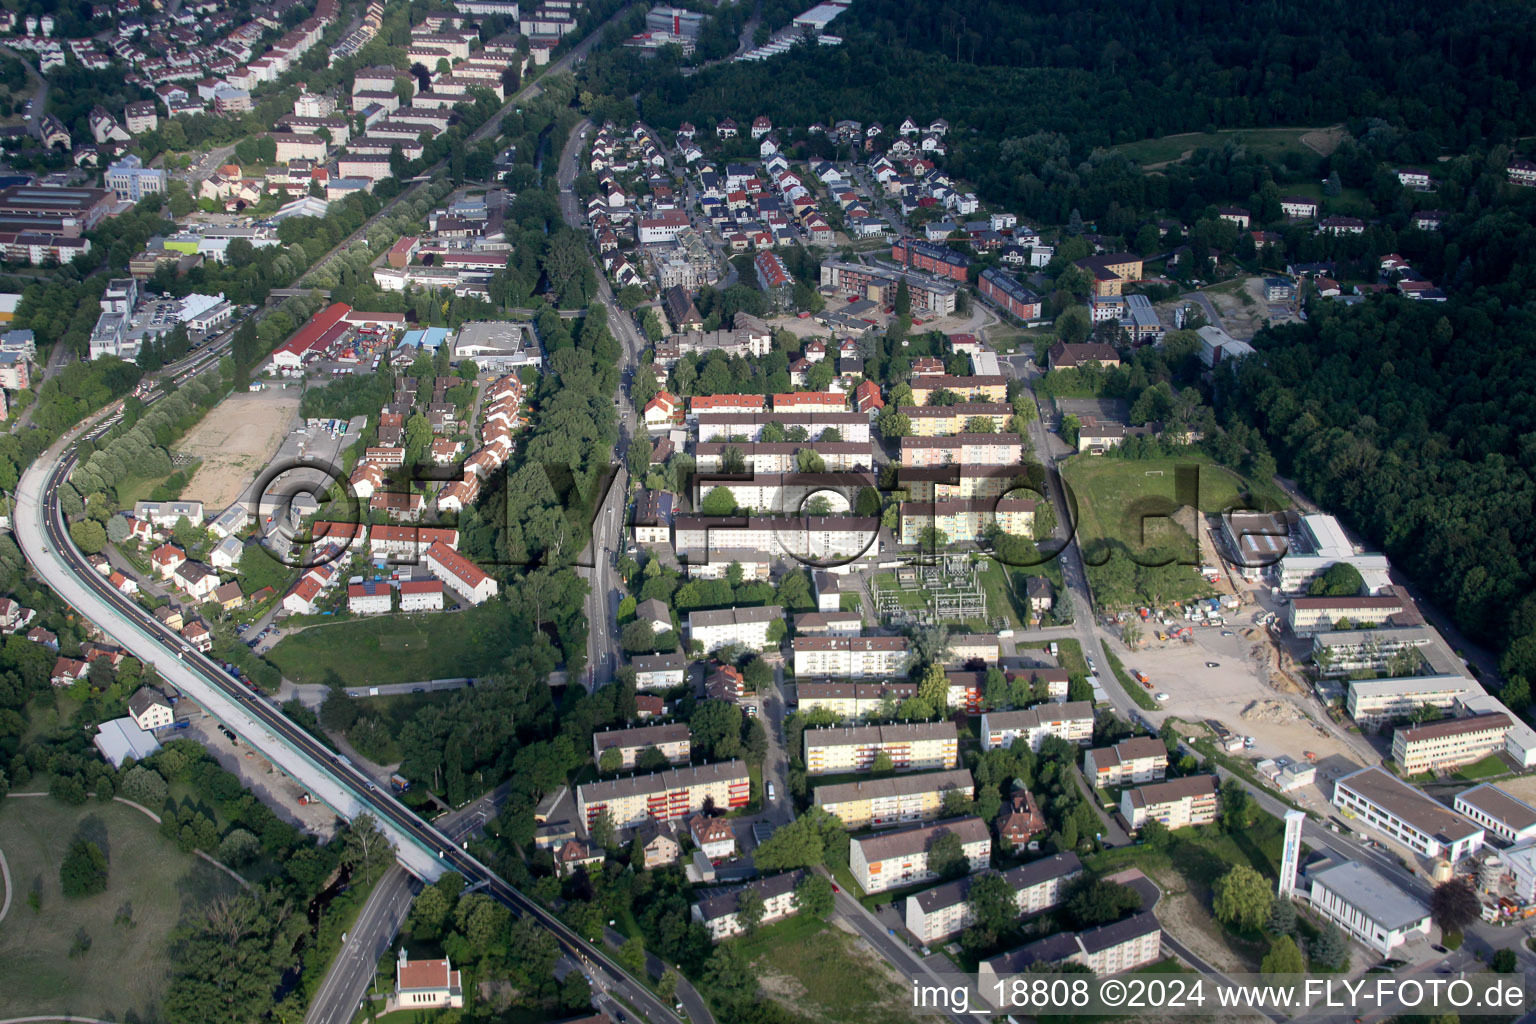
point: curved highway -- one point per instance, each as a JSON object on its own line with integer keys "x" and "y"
{"x": 42, "y": 531}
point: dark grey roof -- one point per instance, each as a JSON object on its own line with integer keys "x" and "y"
{"x": 724, "y": 904}
{"x": 896, "y": 785}
{"x": 642, "y": 736}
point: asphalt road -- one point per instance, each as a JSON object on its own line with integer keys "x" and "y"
{"x": 603, "y": 597}
{"x": 424, "y": 849}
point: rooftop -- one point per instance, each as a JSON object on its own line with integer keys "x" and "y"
{"x": 1500, "y": 806}
{"x": 1371, "y": 893}
{"x": 1402, "y": 801}
{"x": 909, "y": 841}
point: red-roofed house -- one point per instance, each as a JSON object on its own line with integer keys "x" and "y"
{"x": 166, "y": 559}
{"x": 810, "y": 401}
{"x": 663, "y": 412}
{"x": 726, "y": 403}
{"x": 866, "y": 397}
{"x": 421, "y": 596}
{"x": 301, "y": 599}
{"x": 426, "y": 984}
{"x": 649, "y": 706}
{"x": 68, "y": 670}
{"x": 462, "y": 576}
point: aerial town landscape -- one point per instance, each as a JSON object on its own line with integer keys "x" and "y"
{"x": 755, "y": 512}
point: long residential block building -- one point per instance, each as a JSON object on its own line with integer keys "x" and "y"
{"x": 1419, "y": 822}
{"x": 665, "y": 796}
{"x": 878, "y": 284}
{"x": 819, "y": 538}
{"x": 850, "y": 656}
{"x": 956, "y": 482}
{"x": 967, "y": 519}
{"x": 1071, "y": 721}
{"x": 720, "y": 913}
{"x": 1502, "y": 815}
{"x": 911, "y": 746}
{"x": 1176, "y": 803}
{"x": 675, "y": 740}
{"x": 748, "y": 427}
{"x": 943, "y": 420}
{"x": 1108, "y": 949}
{"x": 1374, "y": 702}
{"x": 745, "y": 626}
{"x": 899, "y": 799}
{"x": 891, "y": 860}
{"x": 1435, "y": 746}
{"x": 1137, "y": 760}
{"x": 945, "y": 910}
{"x": 781, "y": 456}
{"x": 965, "y": 449}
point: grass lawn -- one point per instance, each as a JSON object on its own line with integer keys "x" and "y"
{"x": 1115, "y": 494}
{"x": 1273, "y": 143}
{"x": 822, "y": 974}
{"x": 400, "y": 649}
{"x": 1489, "y": 767}
{"x": 126, "y": 969}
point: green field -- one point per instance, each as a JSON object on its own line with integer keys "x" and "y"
{"x": 1130, "y": 500}
{"x": 1273, "y": 143}
{"x": 124, "y": 973}
{"x": 821, "y": 974}
{"x": 400, "y": 649}
{"x": 1489, "y": 767}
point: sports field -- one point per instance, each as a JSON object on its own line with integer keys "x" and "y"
{"x": 1274, "y": 143}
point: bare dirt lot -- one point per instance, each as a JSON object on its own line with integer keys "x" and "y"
{"x": 1238, "y": 694}
{"x": 236, "y": 440}
{"x": 256, "y": 773}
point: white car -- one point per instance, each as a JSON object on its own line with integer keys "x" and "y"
{"x": 1160, "y": 695}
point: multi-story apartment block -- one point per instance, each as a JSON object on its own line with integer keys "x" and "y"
{"x": 1071, "y": 721}
{"x": 1108, "y": 949}
{"x": 967, "y": 520}
{"x": 850, "y": 656}
{"x": 674, "y": 740}
{"x": 1009, "y": 294}
{"x": 901, "y": 798}
{"x": 966, "y": 449}
{"x": 745, "y": 626}
{"x": 943, "y": 420}
{"x": 659, "y": 671}
{"x": 1176, "y": 803}
{"x": 1136, "y": 760}
{"x": 467, "y": 581}
{"x": 781, "y": 457}
{"x": 1309, "y": 615}
{"x": 944, "y": 910}
{"x": 1347, "y": 652}
{"x": 723, "y": 426}
{"x": 911, "y": 746}
{"x": 130, "y": 180}
{"x": 665, "y": 796}
{"x": 852, "y": 700}
{"x": 1422, "y": 824}
{"x": 819, "y": 538}
{"x": 719, "y": 913}
{"x": 891, "y": 860}
{"x": 1111, "y": 270}
{"x": 929, "y": 294}
{"x": 955, "y": 482}
{"x": 987, "y": 388}
{"x": 1374, "y": 702}
{"x": 1447, "y": 744}
{"x": 931, "y": 257}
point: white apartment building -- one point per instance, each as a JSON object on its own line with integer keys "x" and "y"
{"x": 1176, "y": 803}
{"x": 1422, "y": 824}
{"x": 851, "y": 656}
{"x": 462, "y": 576}
{"x": 891, "y": 860}
{"x": 912, "y": 746}
{"x": 823, "y": 539}
{"x": 1072, "y": 721}
{"x": 659, "y": 671}
{"x": 1506, "y": 817}
{"x": 421, "y": 596}
{"x": 901, "y": 798}
{"x": 718, "y": 913}
{"x": 1310, "y": 615}
{"x": 151, "y": 711}
{"x": 1448, "y": 743}
{"x": 1369, "y": 908}
{"x": 1373, "y": 702}
{"x": 720, "y": 426}
{"x": 1136, "y": 760}
{"x": 1108, "y": 949}
{"x": 665, "y": 796}
{"x": 944, "y": 910}
{"x": 852, "y": 700}
{"x": 372, "y": 597}
{"x": 673, "y": 740}
{"x": 745, "y": 626}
